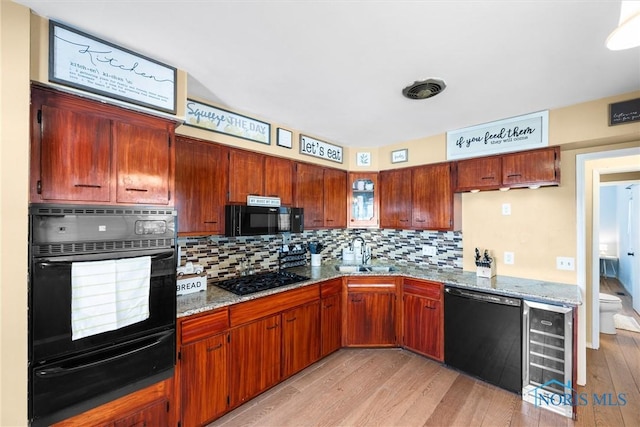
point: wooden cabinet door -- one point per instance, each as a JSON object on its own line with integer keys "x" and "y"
{"x": 75, "y": 156}
{"x": 309, "y": 194}
{"x": 331, "y": 321}
{"x": 300, "y": 338}
{"x": 156, "y": 414}
{"x": 335, "y": 198}
{"x": 201, "y": 186}
{"x": 246, "y": 175}
{"x": 204, "y": 380}
{"x": 432, "y": 198}
{"x": 278, "y": 179}
{"x": 536, "y": 167}
{"x": 255, "y": 357}
{"x": 395, "y": 199}
{"x": 371, "y": 319}
{"x": 422, "y": 327}
{"x": 143, "y": 164}
{"x": 484, "y": 173}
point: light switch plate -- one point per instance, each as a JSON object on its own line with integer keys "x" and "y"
{"x": 509, "y": 258}
{"x": 506, "y": 209}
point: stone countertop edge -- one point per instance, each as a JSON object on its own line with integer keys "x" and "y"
{"x": 527, "y": 289}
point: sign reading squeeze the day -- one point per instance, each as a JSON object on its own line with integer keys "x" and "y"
{"x": 84, "y": 62}
{"x": 217, "y": 120}
{"x": 514, "y": 134}
{"x": 316, "y": 148}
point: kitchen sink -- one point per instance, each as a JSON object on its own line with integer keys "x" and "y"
{"x": 365, "y": 268}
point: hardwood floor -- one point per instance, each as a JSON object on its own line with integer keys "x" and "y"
{"x": 394, "y": 387}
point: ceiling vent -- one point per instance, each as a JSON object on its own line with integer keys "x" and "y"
{"x": 424, "y": 89}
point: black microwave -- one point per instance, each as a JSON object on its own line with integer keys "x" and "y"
{"x": 242, "y": 220}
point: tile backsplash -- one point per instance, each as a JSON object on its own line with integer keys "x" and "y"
{"x": 221, "y": 256}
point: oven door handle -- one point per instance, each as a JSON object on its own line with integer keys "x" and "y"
{"x": 155, "y": 256}
{"x": 56, "y": 371}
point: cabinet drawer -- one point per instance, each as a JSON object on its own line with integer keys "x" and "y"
{"x": 194, "y": 329}
{"x": 372, "y": 284}
{"x": 272, "y": 304}
{"x": 423, "y": 288}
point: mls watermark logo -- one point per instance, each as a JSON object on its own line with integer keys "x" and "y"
{"x": 543, "y": 397}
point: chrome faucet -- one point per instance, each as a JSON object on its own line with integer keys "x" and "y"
{"x": 363, "y": 252}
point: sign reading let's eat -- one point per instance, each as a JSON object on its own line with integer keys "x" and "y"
{"x": 316, "y": 148}
{"x": 503, "y": 136}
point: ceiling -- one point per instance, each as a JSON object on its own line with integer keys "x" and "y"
{"x": 335, "y": 70}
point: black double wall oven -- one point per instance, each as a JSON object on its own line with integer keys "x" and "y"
{"x": 79, "y": 256}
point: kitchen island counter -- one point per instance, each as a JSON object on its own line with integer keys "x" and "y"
{"x": 529, "y": 289}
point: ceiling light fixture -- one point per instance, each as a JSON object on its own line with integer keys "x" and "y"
{"x": 627, "y": 34}
{"x": 424, "y": 89}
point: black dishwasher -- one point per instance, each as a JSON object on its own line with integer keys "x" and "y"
{"x": 483, "y": 336}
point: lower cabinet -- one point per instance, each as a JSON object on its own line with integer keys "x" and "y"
{"x": 153, "y": 415}
{"x": 204, "y": 379}
{"x": 300, "y": 338}
{"x": 423, "y": 318}
{"x": 330, "y": 316}
{"x": 370, "y": 312}
{"x": 255, "y": 358}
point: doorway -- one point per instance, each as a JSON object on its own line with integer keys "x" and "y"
{"x": 589, "y": 168}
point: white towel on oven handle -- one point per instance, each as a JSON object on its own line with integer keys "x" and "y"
{"x": 108, "y": 295}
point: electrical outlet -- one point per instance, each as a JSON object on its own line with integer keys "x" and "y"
{"x": 506, "y": 209}
{"x": 509, "y": 258}
{"x": 565, "y": 263}
{"x": 429, "y": 251}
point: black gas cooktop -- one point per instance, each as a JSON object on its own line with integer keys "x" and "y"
{"x": 244, "y": 285}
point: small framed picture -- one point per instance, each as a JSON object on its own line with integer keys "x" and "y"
{"x": 400, "y": 156}
{"x": 285, "y": 138}
{"x": 363, "y": 159}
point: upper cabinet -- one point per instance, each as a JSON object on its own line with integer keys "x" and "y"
{"x": 514, "y": 170}
{"x": 257, "y": 174}
{"x": 322, "y": 193}
{"x": 434, "y": 205}
{"x": 395, "y": 198}
{"x": 84, "y": 151}
{"x": 201, "y": 186}
{"x": 363, "y": 200}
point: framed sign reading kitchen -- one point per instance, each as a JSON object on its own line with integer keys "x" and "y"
{"x": 503, "y": 136}
{"x": 84, "y": 62}
{"x": 215, "y": 119}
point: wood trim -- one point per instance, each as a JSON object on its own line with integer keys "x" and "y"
{"x": 211, "y": 323}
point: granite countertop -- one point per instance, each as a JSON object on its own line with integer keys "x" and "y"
{"x": 528, "y": 289}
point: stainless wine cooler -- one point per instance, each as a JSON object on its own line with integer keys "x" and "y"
{"x": 547, "y": 357}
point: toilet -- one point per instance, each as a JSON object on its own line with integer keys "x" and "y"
{"x": 609, "y": 305}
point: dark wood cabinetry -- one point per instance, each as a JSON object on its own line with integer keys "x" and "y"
{"x": 204, "y": 379}
{"x": 434, "y": 205}
{"x": 85, "y": 151}
{"x": 423, "y": 318}
{"x": 335, "y": 200}
{"x": 514, "y": 170}
{"x": 300, "y": 338}
{"x": 201, "y": 186}
{"x": 255, "y": 358}
{"x": 370, "y": 312}
{"x": 330, "y": 316}
{"x": 322, "y": 194}
{"x": 257, "y": 174}
{"x": 395, "y": 198}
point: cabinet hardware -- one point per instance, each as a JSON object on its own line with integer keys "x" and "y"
{"x": 39, "y": 117}
{"x": 272, "y": 327}
{"x": 513, "y": 175}
{"x": 488, "y": 177}
{"x": 421, "y": 220}
{"x": 328, "y": 306}
{"x": 214, "y": 348}
{"x": 39, "y": 187}
{"x": 137, "y": 189}
{"x": 291, "y": 320}
{"x": 429, "y": 307}
{"x": 88, "y": 185}
{"x": 356, "y": 300}
{"x": 211, "y": 222}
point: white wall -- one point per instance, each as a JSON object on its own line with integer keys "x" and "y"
{"x": 609, "y": 220}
